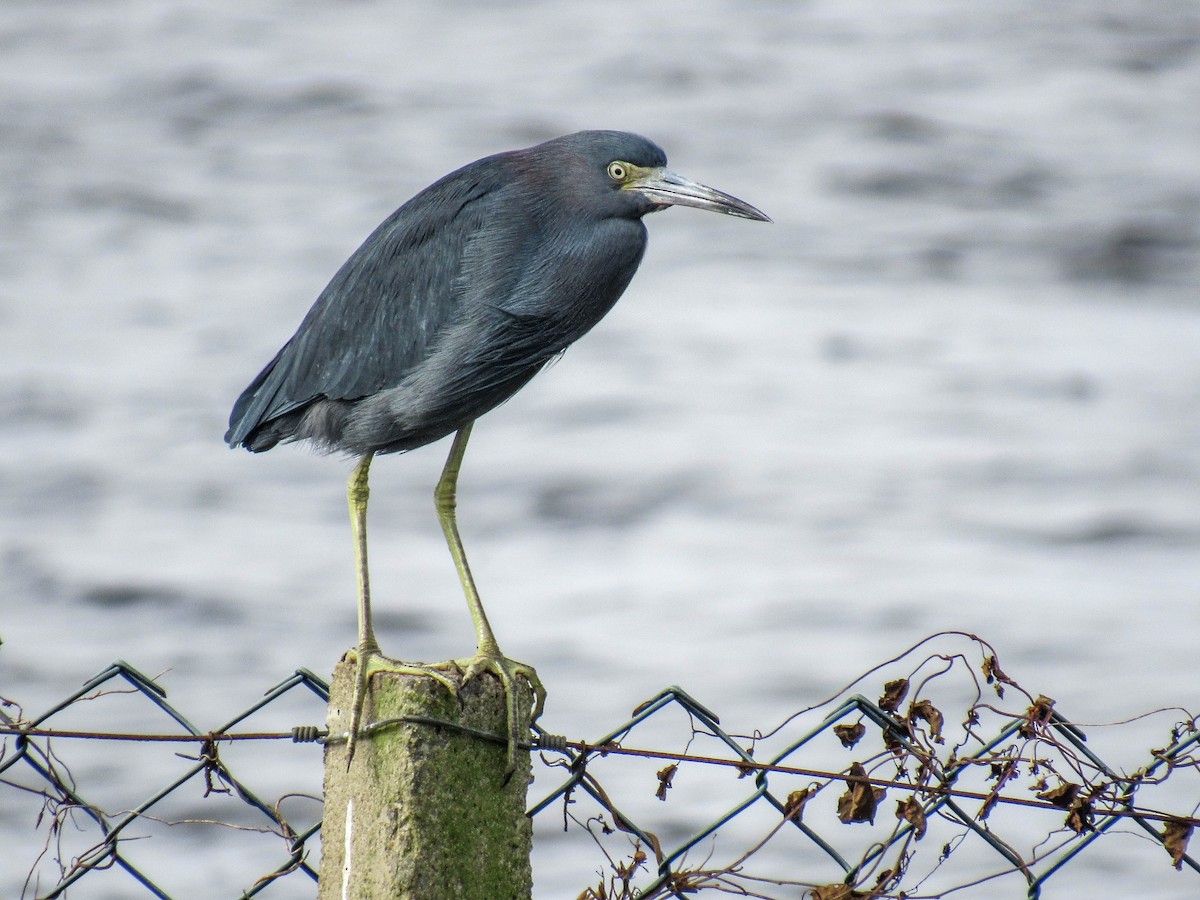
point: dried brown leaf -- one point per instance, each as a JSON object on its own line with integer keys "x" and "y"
{"x": 747, "y": 769}
{"x": 923, "y": 709}
{"x": 1062, "y": 796}
{"x": 861, "y": 798}
{"x": 1079, "y": 819}
{"x": 665, "y": 776}
{"x": 989, "y": 804}
{"x": 894, "y": 693}
{"x": 838, "y": 891}
{"x": 1175, "y": 837}
{"x": 1037, "y": 716}
{"x": 850, "y": 735}
{"x": 995, "y": 676}
{"x": 892, "y": 740}
{"x": 793, "y": 809}
{"x": 1002, "y": 772}
{"x": 912, "y": 812}
{"x": 626, "y": 872}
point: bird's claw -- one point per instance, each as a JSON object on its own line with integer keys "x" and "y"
{"x": 369, "y": 663}
{"x": 508, "y": 671}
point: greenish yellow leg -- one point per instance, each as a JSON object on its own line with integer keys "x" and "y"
{"x": 488, "y": 657}
{"x": 368, "y": 658}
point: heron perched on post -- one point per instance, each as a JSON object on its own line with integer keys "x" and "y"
{"x": 450, "y": 306}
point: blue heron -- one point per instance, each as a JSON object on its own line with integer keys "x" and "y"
{"x": 449, "y": 308}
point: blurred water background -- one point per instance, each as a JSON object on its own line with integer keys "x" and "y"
{"x": 956, "y": 384}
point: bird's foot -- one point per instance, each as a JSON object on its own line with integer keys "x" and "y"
{"x": 369, "y": 662}
{"x": 508, "y": 671}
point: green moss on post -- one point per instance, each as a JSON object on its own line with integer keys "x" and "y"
{"x": 422, "y": 813}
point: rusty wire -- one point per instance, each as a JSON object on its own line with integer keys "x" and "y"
{"x": 913, "y": 753}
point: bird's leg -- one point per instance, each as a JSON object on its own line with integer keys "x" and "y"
{"x": 488, "y": 657}
{"x": 445, "y": 498}
{"x": 359, "y": 492}
{"x": 368, "y": 658}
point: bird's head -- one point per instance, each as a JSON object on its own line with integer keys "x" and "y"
{"x": 628, "y": 175}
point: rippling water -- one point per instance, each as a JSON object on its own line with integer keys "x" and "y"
{"x": 955, "y": 385}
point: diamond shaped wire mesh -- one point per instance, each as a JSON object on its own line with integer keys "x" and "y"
{"x": 850, "y": 798}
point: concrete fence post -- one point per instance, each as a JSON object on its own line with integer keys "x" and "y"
{"x": 422, "y": 812}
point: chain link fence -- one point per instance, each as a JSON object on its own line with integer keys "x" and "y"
{"x": 933, "y": 774}
{"x": 199, "y": 804}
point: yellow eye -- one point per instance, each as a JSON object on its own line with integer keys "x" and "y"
{"x": 618, "y": 171}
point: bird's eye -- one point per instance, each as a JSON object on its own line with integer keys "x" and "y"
{"x": 618, "y": 171}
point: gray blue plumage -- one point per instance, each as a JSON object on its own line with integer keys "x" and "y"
{"x": 456, "y": 300}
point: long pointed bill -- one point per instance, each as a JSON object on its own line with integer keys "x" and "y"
{"x": 668, "y": 189}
